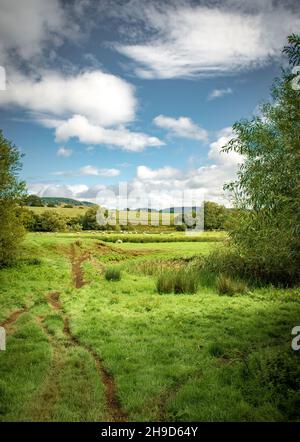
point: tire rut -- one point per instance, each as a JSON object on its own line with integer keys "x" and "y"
{"x": 76, "y": 262}
{"x": 9, "y": 322}
{"x": 115, "y": 411}
{"x": 42, "y": 410}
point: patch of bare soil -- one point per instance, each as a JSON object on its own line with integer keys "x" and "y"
{"x": 76, "y": 262}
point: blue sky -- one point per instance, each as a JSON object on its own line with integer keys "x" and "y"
{"x": 135, "y": 91}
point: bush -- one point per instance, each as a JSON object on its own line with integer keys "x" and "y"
{"x": 28, "y": 218}
{"x": 51, "y": 222}
{"x": 228, "y": 286}
{"x": 113, "y": 274}
{"x": 182, "y": 280}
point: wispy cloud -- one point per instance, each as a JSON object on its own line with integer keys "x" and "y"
{"x": 218, "y": 93}
{"x": 187, "y": 40}
{"x": 64, "y": 152}
{"x": 89, "y": 170}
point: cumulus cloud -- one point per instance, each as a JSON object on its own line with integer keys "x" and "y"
{"x": 64, "y": 152}
{"x": 182, "y": 127}
{"x": 218, "y": 93}
{"x": 91, "y": 106}
{"x": 102, "y": 98}
{"x": 78, "y": 126}
{"x": 90, "y": 170}
{"x": 213, "y": 38}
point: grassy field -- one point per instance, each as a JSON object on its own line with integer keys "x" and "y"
{"x": 70, "y": 212}
{"x": 133, "y": 216}
{"x": 83, "y": 348}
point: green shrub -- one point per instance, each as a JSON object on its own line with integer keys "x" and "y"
{"x": 51, "y": 222}
{"x": 228, "y": 286}
{"x": 180, "y": 280}
{"x": 113, "y": 274}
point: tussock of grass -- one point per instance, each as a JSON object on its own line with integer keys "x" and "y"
{"x": 113, "y": 274}
{"x": 228, "y": 286}
{"x": 179, "y": 280}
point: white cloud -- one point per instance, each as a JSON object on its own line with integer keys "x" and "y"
{"x": 227, "y": 160}
{"x": 100, "y": 97}
{"x": 145, "y": 173}
{"x": 91, "y": 106}
{"x": 78, "y": 126}
{"x": 164, "y": 186}
{"x": 64, "y": 152}
{"x": 218, "y": 93}
{"x": 181, "y": 127}
{"x": 184, "y": 40}
{"x": 27, "y": 28}
{"x": 89, "y": 170}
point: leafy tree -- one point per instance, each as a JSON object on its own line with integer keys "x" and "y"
{"x": 214, "y": 216}
{"x": 90, "y": 222}
{"x": 267, "y": 230}
{"x": 293, "y": 49}
{"x": 51, "y": 222}
{"x": 28, "y": 218}
{"x": 11, "y": 192}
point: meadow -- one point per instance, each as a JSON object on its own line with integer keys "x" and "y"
{"x": 90, "y": 338}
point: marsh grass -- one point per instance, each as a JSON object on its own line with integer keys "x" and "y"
{"x": 228, "y": 286}
{"x": 113, "y": 274}
{"x": 178, "y": 280}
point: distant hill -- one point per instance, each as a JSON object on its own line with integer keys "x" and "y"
{"x": 61, "y": 201}
{"x": 178, "y": 209}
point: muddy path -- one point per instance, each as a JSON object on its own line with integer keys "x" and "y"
{"x": 76, "y": 262}
{"x": 114, "y": 409}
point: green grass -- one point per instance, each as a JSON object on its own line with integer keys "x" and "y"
{"x": 113, "y": 274}
{"x": 173, "y": 357}
{"x": 178, "y": 280}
